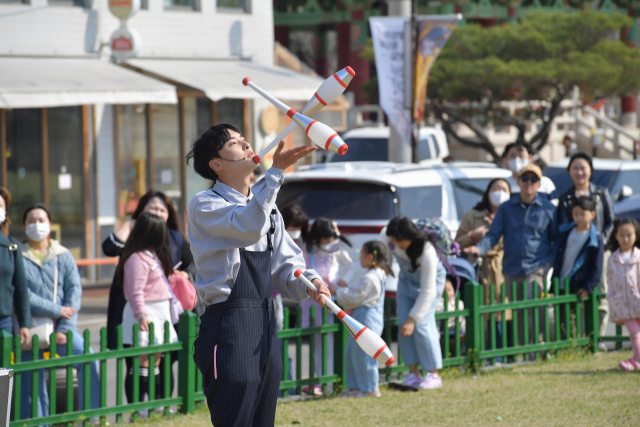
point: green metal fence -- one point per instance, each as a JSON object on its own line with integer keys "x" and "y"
{"x": 479, "y": 344}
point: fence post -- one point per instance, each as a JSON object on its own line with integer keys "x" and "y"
{"x": 592, "y": 320}
{"x": 339, "y": 349}
{"x": 472, "y": 299}
{"x": 6, "y": 347}
{"x": 186, "y": 365}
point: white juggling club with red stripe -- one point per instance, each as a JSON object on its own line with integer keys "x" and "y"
{"x": 328, "y": 92}
{"x": 321, "y": 134}
{"x": 368, "y": 340}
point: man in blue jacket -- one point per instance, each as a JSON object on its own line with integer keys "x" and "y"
{"x": 529, "y": 225}
{"x": 580, "y": 253}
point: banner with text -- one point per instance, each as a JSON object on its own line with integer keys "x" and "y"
{"x": 388, "y": 34}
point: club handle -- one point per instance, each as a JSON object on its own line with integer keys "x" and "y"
{"x": 277, "y": 139}
{"x": 332, "y": 305}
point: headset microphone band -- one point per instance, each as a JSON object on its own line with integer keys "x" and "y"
{"x": 229, "y": 160}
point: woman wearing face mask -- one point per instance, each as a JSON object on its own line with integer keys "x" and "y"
{"x": 55, "y": 292}
{"x": 12, "y": 278}
{"x": 325, "y": 251}
{"x": 296, "y": 223}
{"x": 580, "y": 169}
{"x": 473, "y": 226}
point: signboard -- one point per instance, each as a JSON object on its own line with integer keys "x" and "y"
{"x": 124, "y": 9}
{"x": 125, "y": 43}
{"x": 269, "y": 120}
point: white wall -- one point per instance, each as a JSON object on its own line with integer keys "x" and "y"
{"x": 39, "y": 29}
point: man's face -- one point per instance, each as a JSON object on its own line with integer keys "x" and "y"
{"x": 235, "y": 157}
{"x": 529, "y": 184}
{"x": 516, "y": 153}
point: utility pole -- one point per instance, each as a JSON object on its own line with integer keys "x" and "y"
{"x": 398, "y": 150}
{"x": 415, "y": 126}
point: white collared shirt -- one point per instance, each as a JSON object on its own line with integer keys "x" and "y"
{"x": 218, "y": 227}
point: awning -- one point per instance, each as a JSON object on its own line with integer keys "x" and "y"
{"x": 57, "y": 82}
{"x": 223, "y": 78}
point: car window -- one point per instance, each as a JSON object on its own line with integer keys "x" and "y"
{"x": 420, "y": 202}
{"x": 339, "y": 199}
{"x": 562, "y": 179}
{"x": 364, "y": 149}
{"x": 629, "y": 178}
{"x": 424, "y": 152}
{"x": 468, "y": 192}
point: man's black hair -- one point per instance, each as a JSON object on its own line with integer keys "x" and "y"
{"x": 587, "y": 203}
{"x": 207, "y": 147}
{"x": 520, "y": 146}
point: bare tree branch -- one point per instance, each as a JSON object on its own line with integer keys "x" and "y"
{"x": 481, "y": 141}
{"x": 540, "y": 139}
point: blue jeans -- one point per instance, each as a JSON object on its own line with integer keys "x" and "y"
{"x": 6, "y": 324}
{"x": 423, "y": 346}
{"x": 43, "y": 396}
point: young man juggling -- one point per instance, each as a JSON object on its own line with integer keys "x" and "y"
{"x": 240, "y": 248}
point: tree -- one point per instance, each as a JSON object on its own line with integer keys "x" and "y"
{"x": 540, "y": 58}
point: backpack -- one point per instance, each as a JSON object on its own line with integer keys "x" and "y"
{"x": 442, "y": 241}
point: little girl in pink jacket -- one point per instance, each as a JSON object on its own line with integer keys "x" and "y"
{"x": 623, "y": 277}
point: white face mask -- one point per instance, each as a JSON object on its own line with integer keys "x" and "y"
{"x": 295, "y": 234}
{"x": 498, "y": 197}
{"x": 329, "y": 247}
{"x": 38, "y": 231}
{"x": 516, "y": 164}
{"x": 3, "y": 216}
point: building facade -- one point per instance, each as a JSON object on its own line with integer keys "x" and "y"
{"x": 87, "y": 134}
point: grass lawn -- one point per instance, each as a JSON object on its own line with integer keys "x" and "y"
{"x": 573, "y": 390}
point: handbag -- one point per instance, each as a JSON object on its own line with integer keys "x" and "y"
{"x": 175, "y": 307}
{"x": 42, "y": 326}
{"x": 184, "y": 291}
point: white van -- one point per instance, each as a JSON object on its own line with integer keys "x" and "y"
{"x": 363, "y": 196}
{"x": 370, "y": 144}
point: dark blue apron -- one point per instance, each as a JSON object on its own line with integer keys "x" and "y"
{"x": 237, "y": 347}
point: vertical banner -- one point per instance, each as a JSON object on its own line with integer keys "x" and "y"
{"x": 388, "y": 45}
{"x": 433, "y": 33}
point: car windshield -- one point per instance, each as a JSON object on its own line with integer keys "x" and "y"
{"x": 420, "y": 202}
{"x": 364, "y": 150}
{"x": 562, "y": 180}
{"x": 468, "y": 193}
{"x": 339, "y": 199}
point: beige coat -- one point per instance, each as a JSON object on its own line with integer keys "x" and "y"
{"x": 491, "y": 269}
{"x": 624, "y": 287}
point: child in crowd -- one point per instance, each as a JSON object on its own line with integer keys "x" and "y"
{"x": 450, "y": 290}
{"x": 580, "y": 254}
{"x": 144, "y": 266}
{"x": 325, "y": 251}
{"x": 366, "y": 298}
{"x": 623, "y": 277}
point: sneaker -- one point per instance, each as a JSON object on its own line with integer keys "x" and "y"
{"x": 431, "y": 381}
{"x": 629, "y": 365}
{"x": 370, "y": 393}
{"x": 317, "y": 391}
{"x": 412, "y": 381}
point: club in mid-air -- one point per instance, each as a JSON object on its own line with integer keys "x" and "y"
{"x": 321, "y": 134}
{"x": 329, "y": 91}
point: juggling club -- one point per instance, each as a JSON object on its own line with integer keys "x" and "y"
{"x": 368, "y": 340}
{"x": 321, "y": 134}
{"x": 328, "y": 92}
